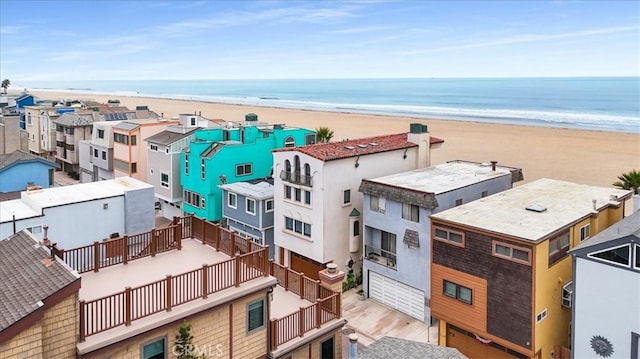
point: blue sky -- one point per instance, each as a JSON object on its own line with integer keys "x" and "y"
{"x": 101, "y": 40}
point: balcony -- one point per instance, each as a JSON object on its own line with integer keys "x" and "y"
{"x": 380, "y": 256}
{"x": 296, "y": 178}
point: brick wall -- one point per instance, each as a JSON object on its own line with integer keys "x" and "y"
{"x": 27, "y": 344}
{"x": 60, "y": 329}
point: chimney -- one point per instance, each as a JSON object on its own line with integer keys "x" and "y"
{"x": 493, "y": 165}
{"x": 594, "y": 204}
{"x": 331, "y": 277}
{"x": 419, "y": 134}
{"x": 353, "y": 346}
{"x": 45, "y": 241}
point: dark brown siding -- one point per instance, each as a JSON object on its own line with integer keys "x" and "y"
{"x": 509, "y": 299}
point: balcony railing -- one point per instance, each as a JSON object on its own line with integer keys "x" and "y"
{"x": 296, "y": 178}
{"x": 248, "y": 261}
{"x": 380, "y": 256}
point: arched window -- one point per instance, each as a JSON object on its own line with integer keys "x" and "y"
{"x": 296, "y": 164}
{"x": 287, "y": 165}
{"x": 289, "y": 142}
{"x": 356, "y": 228}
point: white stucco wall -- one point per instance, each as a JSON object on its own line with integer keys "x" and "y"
{"x": 606, "y": 301}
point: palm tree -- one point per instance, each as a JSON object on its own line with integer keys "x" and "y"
{"x": 629, "y": 180}
{"x": 5, "y": 85}
{"x": 324, "y": 134}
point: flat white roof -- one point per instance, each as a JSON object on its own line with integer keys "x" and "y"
{"x": 559, "y": 204}
{"x": 57, "y": 196}
{"x": 261, "y": 190}
{"x": 444, "y": 177}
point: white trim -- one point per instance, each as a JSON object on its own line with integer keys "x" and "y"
{"x": 235, "y": 196}
{"x": 628, "y": 265}
{"x": 246, "y": 205}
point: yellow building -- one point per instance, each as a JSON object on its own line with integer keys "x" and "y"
{"x": 501, "y": 275}
{"x": 138, "y": 291}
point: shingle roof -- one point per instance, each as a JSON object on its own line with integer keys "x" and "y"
{"x": 27, "y": 278}
{"x": 389, "y": 347}
{"x": 411, "y": 238}
{"x": 352, "y": 148}
{"x": 75, "y": 119}
{"x": 7, "y": 160}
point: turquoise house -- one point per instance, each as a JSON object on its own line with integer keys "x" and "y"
{"x": 234, "y": 152}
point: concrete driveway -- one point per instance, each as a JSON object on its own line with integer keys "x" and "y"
{"x": 371, "y": 320}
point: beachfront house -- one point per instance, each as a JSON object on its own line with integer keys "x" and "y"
{"x": 41, "y": 128}
{"x": 500, "y": 265}
{"x": 237, "y": 303}
{"x": 12, "y": 137}
{"x": 247, "y": 208}
{"x": 164, "y": 150}
{"x": 605, "y": 292}
{"x": 318, "y": 208}
{"x": 241, "y": 151}
{"x": 397, "y": 229}
{"x": 80, "y": 214}
{"x": 130, "y": 153}
{"x": 20, "y": 170}
{"x": 71, "y": 128}
{"x": 96, "y": 155}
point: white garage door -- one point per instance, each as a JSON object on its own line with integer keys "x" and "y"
{"x": 397, "y": 295}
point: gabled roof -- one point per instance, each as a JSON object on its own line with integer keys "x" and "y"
{"x": 77, "y": 119}
{"x": 23, "y": 96}
{"x": 389, "y": 347}
{"x": 624, "y": 231}
{"x": 18, "y": 156}
{"x": 167, "y": 137}
{"x": 29, "y": 277}
{"x": 353, "y": 148}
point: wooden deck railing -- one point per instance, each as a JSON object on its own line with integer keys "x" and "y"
{"x": 131, "y": 304}
{"x": 304, "y": 320}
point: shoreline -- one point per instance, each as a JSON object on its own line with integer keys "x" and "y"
{"x": 593, "y": 157}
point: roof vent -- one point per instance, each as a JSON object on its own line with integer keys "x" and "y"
{"x": 373, "y": 143}
{"x": 536, "y": 208}
{"x": 350, "y": 147}
{"x": 362, "y": 145}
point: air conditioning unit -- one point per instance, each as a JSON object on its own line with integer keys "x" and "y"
{"x": 567, "y": 293}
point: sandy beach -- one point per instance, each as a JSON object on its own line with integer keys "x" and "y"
{"x": 581, "y": 156}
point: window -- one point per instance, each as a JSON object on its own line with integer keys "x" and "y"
{"x": 186, "y": 164}
{"x": 585, "y": 232}
{"x": 356, "y": 228}
{"x": 153, "y": 147}
{"x": 287, "y": 192}
{"x": 164, "y": 180}
{"x": 289, "y": 142}
{"x": 268, "y": 204}
{"x": 457, "y": 291}
{"x": 192, "y": 121}
{"x": 192, "y": 198}
{"x": 95, "y": 152}
{"x": 637, "y": 256}
{"x": 485, "y": 194}
{"x": 346, "y": 196}
{"x": 411, "y": 212}
{"x": 388, "y": 244}
{"x": 100, "y": 133}
{"x": 232, "y": 199}
{"x": 558, "y": 247}
{"x": 458, "y": 202}
{"x": 134, "y": 168}
{"x": 514, "y": 253}
{"x": 255, "y": 315}
{"x": 450, "y": 237}
{"x": 297, "y": 226}
{"x": 244, "y": 170}
{"x": 620, "y": 255}
{"x": 104, "y": 155}
{"x": 377, "y": 204}
{"x": 155, "y": 350}
{"x": 251, "y": 206}
{"x": 298, "y": 193}
{"x": 202, "y": 204}
{"x": 541, "y": 316}
{"x": 29, "y": 119}
{"x": 35, "y": 230}
{"x": 310, "y": 139}
{"x": 307, "y": 197}
{"x": 121, "y": 138}
{"x": 327, "y": 349}
{"x": 133, "y": 140}
{"x": 202, "y": 169}
{"x": 567, "y": 293}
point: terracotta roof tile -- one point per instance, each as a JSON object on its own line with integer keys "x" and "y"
{"x": 352, "y": 148}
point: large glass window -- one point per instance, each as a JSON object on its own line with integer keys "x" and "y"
{"x": 411, "y": 212}
{"x": 377, "y": 204}
{"x": 457, "y": 291}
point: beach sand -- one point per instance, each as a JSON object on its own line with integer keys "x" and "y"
{"x": 581, "y": 156}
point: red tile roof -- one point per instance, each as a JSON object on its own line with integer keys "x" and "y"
{"x": 357, "y": 147}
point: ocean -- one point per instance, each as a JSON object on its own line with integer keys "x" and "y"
{"x": 591, "y": 103}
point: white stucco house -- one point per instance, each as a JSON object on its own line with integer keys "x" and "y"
{"x": 81, "y": 214}
{"x": 397, "y": 228}
{"x": 317, "y": 204}
{"x": 605, "y": 293}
